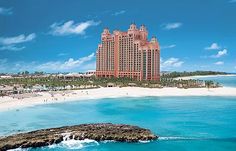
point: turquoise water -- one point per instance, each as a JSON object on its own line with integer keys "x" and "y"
{"x": 229, "y": 81}
{"x": 183, "y": 123}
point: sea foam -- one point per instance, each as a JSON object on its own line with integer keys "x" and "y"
{"x": 19, "y": 149}
{"x": 140, "y": 141}
{"x": 75, "y": 144}
{"x": 175, "y": 138}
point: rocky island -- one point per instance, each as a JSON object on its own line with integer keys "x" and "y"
{"x": 98, "y": 132}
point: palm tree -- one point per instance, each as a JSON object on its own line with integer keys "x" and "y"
{"x": 208, "y": 84}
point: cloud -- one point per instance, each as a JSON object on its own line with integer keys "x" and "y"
{"x": 5, "y": 11}
{"x": 89, "y": 66}
{"x": 70, "y": 27}
{"x": 219, "y": 63}
{"x": 220, "y": 54}
{"x": 119, "y": 13}
{"x": 168, "y": 46}
{"x": 70, "y": 65}
{"x": 12, "y": 48}
{"x": 214, "y": 46}
{"x": 62, "y": 54}
{"x": 232, "y": 1}
{"x": 170, "y": 26}
{"x": 17, "y": 39}
{"x": 9, "y": 43}
{"x": 65, "y": 66}
{"x": 171, "y": 62}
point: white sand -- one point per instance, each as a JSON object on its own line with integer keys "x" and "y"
{"x": 205, "y": 76}
{"x": 9, "y": 103}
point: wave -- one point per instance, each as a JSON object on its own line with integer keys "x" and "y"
{"x": 67, "y": 144}
{"x": 75, "y": 144}
{"x": 177, "y": 138}
{"x": 140, "y": 141}
{"x": 108, "y": 141}
{"x": 18, "y": 149}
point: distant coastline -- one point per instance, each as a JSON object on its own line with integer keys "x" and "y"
{"x": 40, "y": 98}
{"x": 205, "y": 76}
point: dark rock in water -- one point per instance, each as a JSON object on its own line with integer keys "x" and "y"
{"x": 98, "y": 132}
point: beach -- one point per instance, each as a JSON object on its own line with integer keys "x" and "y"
{"x": 27, "y": 100}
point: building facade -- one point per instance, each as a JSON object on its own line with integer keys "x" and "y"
{"x": 128, "y": 54}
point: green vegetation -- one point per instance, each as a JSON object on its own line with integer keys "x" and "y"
{"x": 38, "y": 81}
{"x": 52, "y": 82}
{"x": 195, "y": 73}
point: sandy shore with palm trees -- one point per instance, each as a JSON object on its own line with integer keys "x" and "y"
{"x": 27, "y": 100}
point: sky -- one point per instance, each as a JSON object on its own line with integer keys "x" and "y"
{"x": 62, "y": 35}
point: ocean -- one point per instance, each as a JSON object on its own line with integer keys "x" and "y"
{"x": 182, "y": 123}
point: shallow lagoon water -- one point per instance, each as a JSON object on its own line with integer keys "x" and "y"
{"x": 183, "y": 123}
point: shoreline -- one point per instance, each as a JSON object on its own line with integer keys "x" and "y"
{"x": 10, "y": 103}
{"x": 205, "y": 76}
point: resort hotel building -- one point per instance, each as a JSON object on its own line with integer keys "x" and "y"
{"x": 128, "y": 54}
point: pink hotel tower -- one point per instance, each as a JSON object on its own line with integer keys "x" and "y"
{"x": 128, "y": 54}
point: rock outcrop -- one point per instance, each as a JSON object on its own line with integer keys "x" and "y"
{"x": 98, "y": 132}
